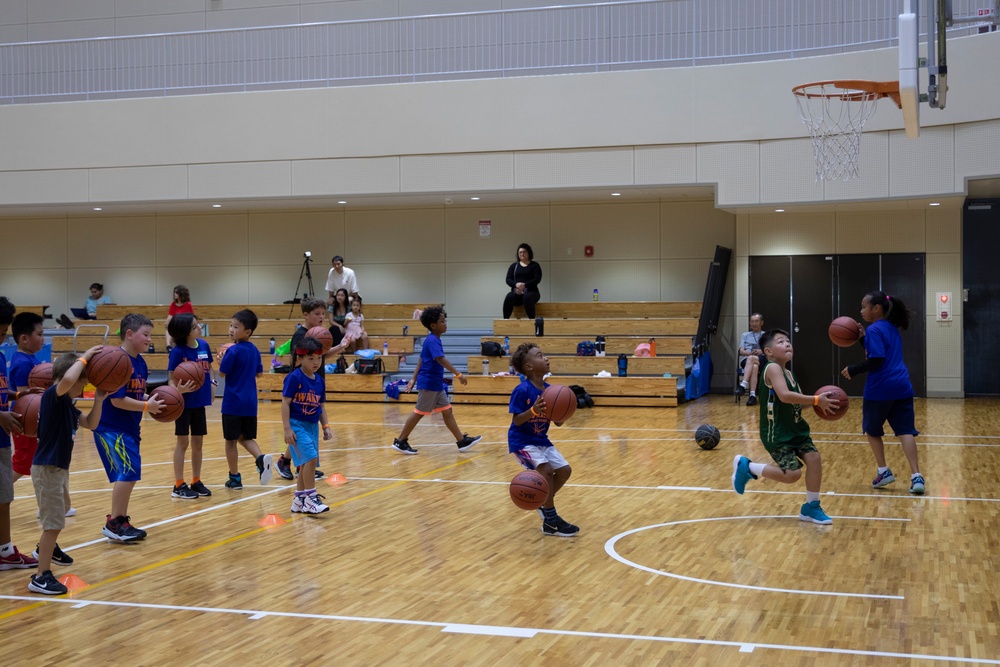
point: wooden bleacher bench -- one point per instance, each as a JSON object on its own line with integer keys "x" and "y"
{"x": 614, "y": 309}
{"x": 613, "y": 391}
{"x": 397, "y": 344}
{"x": 39, "y": 310}
{"x": 160, "y": 361}
{"x": 614, "y": 345}
{"x": 572, "y": 365}
{"x": 266, "y": 311}
{"x": 586, "y": 329}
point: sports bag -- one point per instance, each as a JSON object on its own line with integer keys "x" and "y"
{"x": 586, "y": 348}
{"x": 369, "y": 366}
{"x": 583, "y": 399}
{"x": 491, "y": 349}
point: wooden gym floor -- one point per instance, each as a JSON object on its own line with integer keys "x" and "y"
{"x": 424, "y": 560}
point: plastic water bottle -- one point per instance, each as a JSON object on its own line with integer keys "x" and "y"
{"x": 486, "y": 366}
{"x": 599, "y": 343}
{"x": 595, "y": 294}
{"x": 652, "y": 347}
{"x": 272, "y": 345}
{"x": 506, "y": 346}
{"x": 406, "y": 329}
{"x": 385, "y": 348}
{"x": 622, "y": 365}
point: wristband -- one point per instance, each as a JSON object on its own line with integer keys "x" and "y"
{"x": 326, "y": 426}
{"x": 82, "y": 361}
{"x": 458, "y": 375}
{"x": 532, "y": 409}
{"x": 145, "y": 406}
{"x": 816, "y": 399}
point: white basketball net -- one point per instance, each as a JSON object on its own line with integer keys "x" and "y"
{"x": 835, "y": 117}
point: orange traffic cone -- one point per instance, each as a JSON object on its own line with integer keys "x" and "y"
{"x": 272, "y": 520}
{"x": 336, "y": 479}
{"x": 73, "y": 582}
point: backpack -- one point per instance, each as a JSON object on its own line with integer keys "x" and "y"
{"x": 392, "y": 389}
{"x": 586, "y": 348}
{"x": 583, "y": 399}
{"x": 369, "y": 366}
{"x": 491, "y": 349}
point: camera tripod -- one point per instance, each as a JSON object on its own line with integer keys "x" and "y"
{"x": 309, "y": 283}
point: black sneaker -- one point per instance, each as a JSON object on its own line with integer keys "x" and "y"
{"x": 115, "y": 530}
{"x": 466, "y": 442}
{"x": 199, "y": 488}
{"x": 751, "y": 401}
{"x": 234, "y": 481}
{"x": 184, "y": 492}
{"x": 403, "y": 446}
{"x": 59, "y": 557}
{"x": 65, "y": 322}
{"x": 46, "y": 584}
{"x": 264, "y": 468}
{"x": 319, "y": 474}
{"x": 139, "y": 533}
{"x": 559, "y": 528}
{"x": 740, "y": 390}
{"x": 284, "y": 467}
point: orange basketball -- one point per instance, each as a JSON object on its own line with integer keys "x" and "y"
{"x": 560, "y": 402}
{"x": 173, "y": 403}
{"x": 27, "y": 406}
{"x": 109, "y": 369}
{"x": 223, "y": 348}
{"x": 844, "y": 331}
{"x": 838, "y": 394}
{"x": 323, "y": 335}
{"x": 41, "y": 376}
{"x": 190, "y": 371}
{"x": 529, "y": 489}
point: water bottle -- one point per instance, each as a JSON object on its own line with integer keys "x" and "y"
{"x": 486, "y": 366}
{"x": 652, "y": 347}
{"x": 385, "y": 348}
{"x": 622, "y": 365}
{"x": 595, "y": 294}
{"x": 272, "y": 345}
{"x": 539, "y": 326}
{"x": 599, "y": 343}
{"x": 406, "y": 329}
{"x": 506, "y": 346}
{"x": 152, "y": 349}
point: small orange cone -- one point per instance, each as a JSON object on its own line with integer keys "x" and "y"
{"x": 272, "y": 520}
{"x": 73, "y": 582}
{"x": 336, "y": 479}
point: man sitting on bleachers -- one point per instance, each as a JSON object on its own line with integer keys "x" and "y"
{"x": 751, "y": 358}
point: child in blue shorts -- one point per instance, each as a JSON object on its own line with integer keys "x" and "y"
{"x": 888, "y": 391}
{"x": 302, "y": 411}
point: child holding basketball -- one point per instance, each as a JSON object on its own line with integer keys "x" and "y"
{"x": 241, "y": 366}
{"x": 528, "y": 435}
{"x": 302, "y": 411}
{"x": 29, "y": 335}
{"x": 50, "y": 468}
{"x": 429, "y": 379}
{"x": 10, "y": 557}
{"x": 184, "y": 329}
{"x": 117, "y": 436}
{"x": 783, "y": 430}
{"x": 888, "y": 391}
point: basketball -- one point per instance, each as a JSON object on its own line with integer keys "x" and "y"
{"x": 173, "y": 404}
{"x": 838, "y": 394}
{"x": 560, "y": 402}
{"x": 222, "y": 350}
{"x": 707, "y": 436}
{"x": 529, "y": 489}
{"x": 323, "y": 335}
{"x": 844, "y": 331}
{"x": 190, "y": 371}
{"x": 41, "y": 376}
{"x": 109, "y": 369}
{"x": 27, "y": 406}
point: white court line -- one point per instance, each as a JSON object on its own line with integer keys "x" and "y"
{"x": 609, "y": 548}
{"x": 506, "y": 631}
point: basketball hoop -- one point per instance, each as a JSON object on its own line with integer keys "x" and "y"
{"x": 835, "y": 113}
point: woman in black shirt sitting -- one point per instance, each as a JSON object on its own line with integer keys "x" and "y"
{"x": 523, "y": 277}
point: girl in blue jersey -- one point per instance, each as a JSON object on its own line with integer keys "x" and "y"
{"x": 888, "y": 391}
{"x": 184, "y": 329}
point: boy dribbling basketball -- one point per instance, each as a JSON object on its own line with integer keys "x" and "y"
{"x": 528, "y": 439}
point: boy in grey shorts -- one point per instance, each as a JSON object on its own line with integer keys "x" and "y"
{"x": 57, "y": 421}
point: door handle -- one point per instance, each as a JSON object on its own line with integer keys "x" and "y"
{"x": 796, "y": 328}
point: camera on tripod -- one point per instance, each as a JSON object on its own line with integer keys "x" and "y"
{"x": 308, "y": 255}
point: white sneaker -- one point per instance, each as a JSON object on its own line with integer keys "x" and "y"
{"x": 71, "y": 511}
{"x": 313, "y": 505}
{"x": 297, "y": 504}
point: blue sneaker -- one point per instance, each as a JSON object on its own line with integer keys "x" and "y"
{"x": 883, "y": 479}
{"x": 917, "y": 485}
{"x": 813, "y": 512}
{"x": 741, "y": 473}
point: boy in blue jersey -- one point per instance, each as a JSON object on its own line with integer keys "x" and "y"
{"x": 302, "y": 411}
{"x": 241, "y": 366}
{"x": 10, "y": 557}
{"x": 429, "y": 380}
{"x": 58, "y": 419}
{"x": 29, "y": 335}
{"x": 888, "y": 391}
{"x": 117, "y": 435}
{"x": 184, "y": 330}
{"x": 528, "y": 435}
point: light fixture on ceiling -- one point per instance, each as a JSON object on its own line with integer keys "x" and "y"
{"x": 98, "y": 208}
{"x": 342, "y": 201}
{"x": 616, "y": 194}
{"x": 935, "y": 203}
{"x": 216, "y": 205}
{"x": 779, "y": 210}
{"x": 474, "y": 198}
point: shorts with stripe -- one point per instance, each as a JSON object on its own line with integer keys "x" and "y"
{"x": 430, "y": 401}
{"x": 119, "y": 453}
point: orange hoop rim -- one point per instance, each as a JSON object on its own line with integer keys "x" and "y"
{"x": 855, "y": 90}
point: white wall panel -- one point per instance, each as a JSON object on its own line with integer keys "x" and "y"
{"x": 348, "y": 10}
{"x": 125, "y": 285}
{"x": 80, "y": 29}
{"x": 944, "y": 274}
{"x": 693, "y": 229}
{"x": 617, "y": 280}
{"x": 735, "y": 168}
{"x": 155, "y": 24}
{"x": 661, "y": 165}
{"x": 282, "y": 237}
{"x": 33, "y": 187}
{"x": 924, "y": 166}
{"x": 977, "y": 151}
{"x": 423, "y": 7}
{"x": 400, "y": 282}
{"x": 456, "y": 173}
{"x": 13, "y": 11}
{"x": 873, "y": 167}
{"x": 477, "y": 289}
{"x": 275, "y": 283}
{"x": 393, "y": 235}
{"x": 573, "y": 168}
{"x": 944, "y": 350}
{"x": 37, "y": 287}
{"x": 792, "y": 234}
{"x": 788, "y": 172}
{"x": 34, "y": 243}
{"x": 13, "y": 34}
{"x": 510, "y": 226}
{"x": 124, "y": 8}
{"x": 208, "y": 284}
{"x": 900, "y": 230}
{"x": 616, "y": 231}
{"x": 944, "y": 229}
{"x": 202, "y": 240}
{"x": 69, "y": 10}
{"x": 98, "y": 242}
{"x": 345, "y": 176}
{"x": 222, "y": 19}
{"x": 240, "y": 179}
{"x": 683, "y": 279}
{"x": 139, "y": 183}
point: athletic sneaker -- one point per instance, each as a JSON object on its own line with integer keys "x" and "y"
{"x": 741, "y": 473}
{"x": 883, "y": 479}
{"x": 318, "y": 474}
{"x": 46, "y": 584}
{"x": 813, "y": 512}
{"x": 466, "y": 442}
{"x": 313, "y": 504}
{"x": 297, "y": 504}
{"x": 199, "y": 488}
{"x": 184, "y": 492}
{"x": 119, "y": 530}
{"x": 71, "y": 511}
{"x": 403, "y": 446}
{"x": 235, "y": 481}
{"x": 264, "y": 468}
{"x": 559, "y": 528}
{"x": 17, "y": 561}
{"x": 917, "y": 485}
{"x": 741, "y": 389}
{"x": 132, "y": 530}
{"x": 59, "y": 557}
{"x": 284, "y": 467}
{"x": 752, "y": 400}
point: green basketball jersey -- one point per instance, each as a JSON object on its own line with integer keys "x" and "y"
{"x": 781, "y": 424}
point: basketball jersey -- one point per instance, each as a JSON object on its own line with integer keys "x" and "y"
{"x": 535, "y": 431}
{"x": 307, "y": 395}
{"x": 4, "y": 400}
{"x": 201, "y": 355}
{"x": 240, "y": 365}
{"x": 21, "y": 364}
{"x": 891, "y": 381}
{"x": 430, "y": 377}
{"x": 781, "y": 424}
{"x": 115, "y": 419}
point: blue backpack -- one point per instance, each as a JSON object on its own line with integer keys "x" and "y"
{"x": 586, "y": 348}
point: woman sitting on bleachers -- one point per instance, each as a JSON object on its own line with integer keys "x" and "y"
{"x": 338, "y": 315}
{"x": 523, "y": 277}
